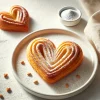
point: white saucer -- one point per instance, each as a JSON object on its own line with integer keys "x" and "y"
{"x": 87, "y": 69}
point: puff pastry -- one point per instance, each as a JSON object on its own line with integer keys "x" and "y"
{"x": 17, "y": 19}
{"x": 52, "y": 63}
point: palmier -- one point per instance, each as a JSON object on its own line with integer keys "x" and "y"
{"x": 52, "y": 63}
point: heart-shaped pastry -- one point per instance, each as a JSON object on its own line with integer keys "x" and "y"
{"x": 16, "y": 20}
{"x": 53, "y": 63}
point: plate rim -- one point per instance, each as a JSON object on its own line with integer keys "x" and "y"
{"x": 81, "y": 88}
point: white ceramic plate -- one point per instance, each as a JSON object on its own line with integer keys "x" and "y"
{"x": 58, "y": 90}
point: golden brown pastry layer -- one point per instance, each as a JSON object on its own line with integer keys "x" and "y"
{"x": 53, "y": 64}
{"x": 17, "y": 19}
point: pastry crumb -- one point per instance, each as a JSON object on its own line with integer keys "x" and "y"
{"x": 78, "y": 76}
{"x": 29, "y": 74}
{"x": 36, "y": 82}
{"x": 8, "y": 90}
{"x": 67, "y": 85}
{"x": 6, "y": 76}
{"x": 22, "y": 62}
{"x": 1, "y": 96}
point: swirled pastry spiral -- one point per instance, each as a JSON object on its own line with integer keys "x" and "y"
{"x": 52, "y": 63}
{"x": 15, "y": 20}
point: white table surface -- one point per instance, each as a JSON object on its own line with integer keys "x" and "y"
{"x": 44, "y": 14}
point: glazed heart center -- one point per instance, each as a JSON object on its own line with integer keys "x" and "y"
{"x": 50, "y": 58}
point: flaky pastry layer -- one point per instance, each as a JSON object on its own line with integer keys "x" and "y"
{"x": 17, "y": 19}
{"x": 52, "y": 63}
